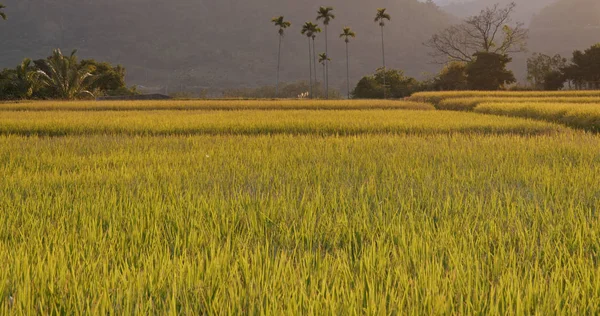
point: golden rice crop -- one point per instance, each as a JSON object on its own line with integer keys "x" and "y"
{"x": 345, "y": 212}
{"x": 373, "y": 224}
{"x": 262, "y": 122}
{"x": 214, "y": 105}
{"x": 468, "y": 104}
{"x": 583, "y": 116}
{"x": 437, "y": 96}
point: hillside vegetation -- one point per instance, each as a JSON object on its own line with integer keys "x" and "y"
{"x": 527, "y": 8}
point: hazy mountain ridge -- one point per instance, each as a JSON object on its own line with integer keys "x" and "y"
{"x": 217, "y": 44}
{"x": 526, "y": 9}
{"x": 566, "y": 26}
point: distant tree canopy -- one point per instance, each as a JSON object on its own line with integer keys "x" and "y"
{"x": 542, "y": 70}
{"x": 551, "y": 73}
{"x": 488, "y": 72}
{"x": 488, "y": 32}
{"x": 584, "y": 70}
{"x": 398, "y": 85}
{"x": 452, "y": 77}
{"x": 62, "y": 77}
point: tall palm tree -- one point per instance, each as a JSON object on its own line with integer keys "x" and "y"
{"x": 282, "y": 25}
{"x": 2, "y": 14}
{"x": 326, "y": 14}
{"x": 347, "y": 33}
{"x": 67, "y": 76}
{"x": 315, "y": 30}
{"x": 307, "y": 30}
{"x": 323, "y": 60}
{"x": 380, "y": 18}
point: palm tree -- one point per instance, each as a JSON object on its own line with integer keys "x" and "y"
{"x": 380, "y": 18}
{"x": 66, "y": 76}
{"x": 282, "y": 25}
{"x": 307, "y": 30}
{"x": 325, "y": 14}
{"x": 347, "y": 33}
{"x": 26, "y": 79}
{"x": 2, "y": 14}
{"x": 323, "y": 60}
{"x": 315, "y": 30}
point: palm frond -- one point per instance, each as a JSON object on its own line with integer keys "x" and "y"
{"x": 381, "y": 16}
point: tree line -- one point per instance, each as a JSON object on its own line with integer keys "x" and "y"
{"x": 474, "y": 55}
{"x": 62, "y": 77}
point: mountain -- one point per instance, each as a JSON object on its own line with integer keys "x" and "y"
{"x": 217, "y": 44}
{"x": 565, "y": 26}
{"x": 525, "y": 11}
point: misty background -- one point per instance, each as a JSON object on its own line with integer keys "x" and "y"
{"x": 189, "y": 45}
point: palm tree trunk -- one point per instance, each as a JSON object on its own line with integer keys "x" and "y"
{"x": 315, "y": 65}
{"x": 278, "y": 66}
{"x": 348, "y": 70}
{"x": 326, "y": 66}
{"x": 310, "y": 68}
{"x": 324, "y": 71}
{"x": 383, "y": 54}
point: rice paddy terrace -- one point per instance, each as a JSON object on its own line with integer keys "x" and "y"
{"x": 447, "y": 203}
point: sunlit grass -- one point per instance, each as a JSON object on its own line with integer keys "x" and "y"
{"x": 300, "y": 225}
{"x": 468, "y": 104}
{"x": 263, "y": 122}
{"x": 375, "y": 211}
{"x": 437, "y": 96}
{"x": 214, "y": 105}
{"x": 583, "y": 116}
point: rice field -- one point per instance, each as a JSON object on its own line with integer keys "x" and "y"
{"x": 302, "y": 209}
{"x": 215, "y": 105}
{"x": 436, "y": 97}
{"x": 469, "y": 104}
{"x": 352, "y": 122}
{"x": 583, "y": 116}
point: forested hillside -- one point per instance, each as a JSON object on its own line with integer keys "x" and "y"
{"x": 566, "y": 26}
{"x": 209, "y": 43}
{"x": 526, "y": 9}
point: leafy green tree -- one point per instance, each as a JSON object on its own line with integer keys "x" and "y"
{"x": 66, "y": 77}
{"x": 307, "y": 30}
{"x": 488, "y": 72}
{"x": 2, "y": 14}
{"x": 554, "y": 80}
{"x": 282, "y": 25}
{"x": 107, "y": 79}
{"x": 323, "y": 60}
{"x": 326, "y": 14}
{"x": 380, "y": 18}
{"x": 27, "y": 80}
{"x": 347, "y": 33}
{"x": 19, "y": 83}
{"x": 540, "y": 66}
{"x": 367, "y": 88}
{"x": 453, "y": 77}
{"x": 399, "y": 85}
{"x": 584, "y": 71}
